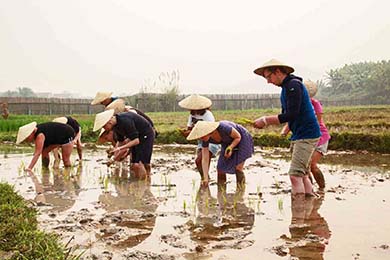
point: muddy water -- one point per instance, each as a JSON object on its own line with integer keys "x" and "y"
{"x": 104, "y": 213}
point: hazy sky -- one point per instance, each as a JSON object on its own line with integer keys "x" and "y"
{"x": 89, "y": 45}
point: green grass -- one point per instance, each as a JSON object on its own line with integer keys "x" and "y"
{"x": 19, "y": 234}
{"x": 350, "y": 127}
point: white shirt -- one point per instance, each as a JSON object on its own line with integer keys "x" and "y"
{"x": 207, "y": 116}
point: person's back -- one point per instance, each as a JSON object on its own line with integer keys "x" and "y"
{"x": 297, "y": 109}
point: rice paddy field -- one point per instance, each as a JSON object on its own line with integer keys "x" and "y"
{"x": 98, "y": 211}
{"x": 352, "y": 128}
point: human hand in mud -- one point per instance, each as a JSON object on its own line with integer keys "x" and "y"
{"x": 28, "y": 170}
{"x": 110, "y": 152}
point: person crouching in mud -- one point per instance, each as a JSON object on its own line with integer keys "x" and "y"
{"x": 236, "y": 146}
{"x": 199, "y": 107}
{"x": 46, "y": 137}
{"x": 77, "y": 139}
{"x": 132, "y": 131}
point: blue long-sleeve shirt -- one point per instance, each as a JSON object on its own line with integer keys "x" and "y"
{"x": 297, "y": 109}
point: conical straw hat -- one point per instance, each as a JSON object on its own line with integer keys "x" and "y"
{"x": 62, "y": 120}
{"x": 273, "y": 63}
{"x": 311, "y": 87}
{"x": 118, "y": 105}
{"x": 25, "y": 131}
{"x": 201, "y": 129}
{"x": 195, "y": 102}
{"x": 102, "y": 118}
{"x": 100, "y": 96}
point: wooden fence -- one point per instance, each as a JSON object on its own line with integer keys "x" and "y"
{"x": 158, "y": 102}
{"x": 50, "y": 106}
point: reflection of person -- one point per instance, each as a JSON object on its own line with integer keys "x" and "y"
{"x": 199, "y": 107}
{"x": 135, "y": 132}
{"x": 133, "y": 203}
{"x": 60, "y": 193}
{"x": 77, "y": 130}
{"x": 237, "y": 146}
{"x": 298, "y": 112}
{"x": 219, "y": 217}
{"x": 322, "y": 145}
{"x": 309, "y": 230}
{"x": 46, "y": 137}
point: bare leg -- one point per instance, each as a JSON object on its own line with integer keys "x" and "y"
{"x": 139, "y": 170}
{"x": 221, "y": 178}
{"x": 307, "y": 185}
{"x": 66, "y": 152}
{"x": 148, "y": 169}
{"x": 317, "y": 174}
{"x": 198, "y": 162}
{"x": 297, "y": 186}
{"x": 45, "y": 158}
{"x": 79, "y": 145}
{"x": 240, "y": 176}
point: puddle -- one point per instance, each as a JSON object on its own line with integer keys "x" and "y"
{"x": 102, "y": 211}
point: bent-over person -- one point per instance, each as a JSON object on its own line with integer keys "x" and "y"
{"x": 236, "y": 147}
{"x": 46, "y": 137}
{"x": 132, "y": 131}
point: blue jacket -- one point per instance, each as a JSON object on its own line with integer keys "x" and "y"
{"x": 297, "y": 109}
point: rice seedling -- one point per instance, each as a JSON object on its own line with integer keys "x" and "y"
{"x": 280, "y": 204}
{"x": 184, "y": 206}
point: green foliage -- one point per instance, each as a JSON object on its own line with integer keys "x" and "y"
{"x": 19, "y": 235}
{"x": 362, "y": 80}
{"x": 360, "y": 141}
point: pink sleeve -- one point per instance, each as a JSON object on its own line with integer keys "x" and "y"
{"x": 317, "y": 106}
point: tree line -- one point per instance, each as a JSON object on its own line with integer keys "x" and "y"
{"x": 358, "y": 81}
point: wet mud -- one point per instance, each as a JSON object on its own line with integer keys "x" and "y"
{"x": 103, "y": 212}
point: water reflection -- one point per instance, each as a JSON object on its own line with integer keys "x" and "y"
{"x": 309, "y": 230}
{"x": 222, "y": 222}
{"x": 130, "y": 207}
{"x": 57, "y": 188}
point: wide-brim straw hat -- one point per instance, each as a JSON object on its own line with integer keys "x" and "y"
{"x": 118, "y": 105}
{"x": 201, "y": 129}
{"x": 62, "y": 120}
{"x": 311, "y": 87}
{"x": 100, "y": 96}
{"x": 102, "y": 118}
{"x": 25, "y": 131}
{"x": 195, "y": 102}
{"x": 273, "y": 63}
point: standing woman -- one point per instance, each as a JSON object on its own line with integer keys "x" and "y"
{"x": 77, "y": 130}
{"x": 199, "y": 107}
{"x": 322, "y": 145}
{"x": 132, "y": 131}
{"x": 46, "y": 137}
{"x": 237, "y": 146}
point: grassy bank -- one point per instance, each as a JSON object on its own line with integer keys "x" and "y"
{"x": 19, "y": 234}
{"x": 352, "y": 128}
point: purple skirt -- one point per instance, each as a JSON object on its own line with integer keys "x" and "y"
{"x": 241, "y": 152}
